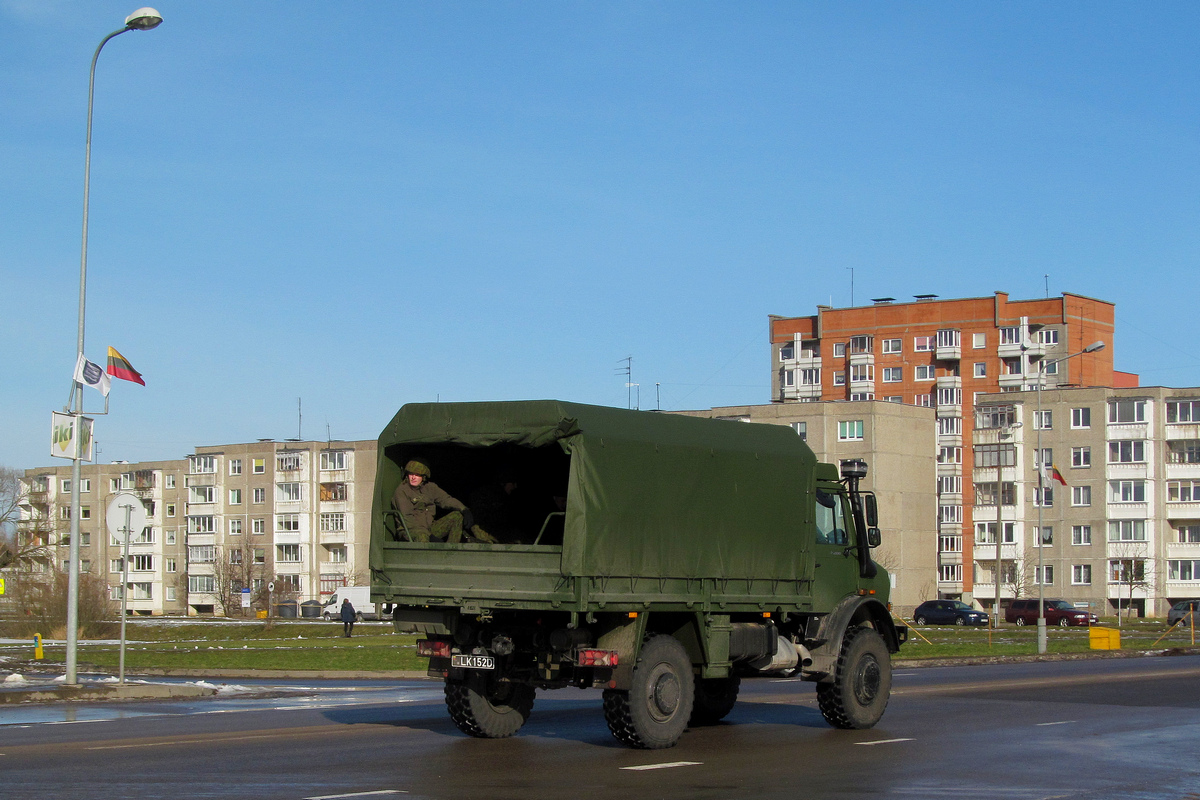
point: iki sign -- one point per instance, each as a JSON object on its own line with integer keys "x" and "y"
{"x": 69, "y": 439}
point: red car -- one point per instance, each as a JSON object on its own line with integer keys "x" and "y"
{"x": 1058, "y": 612}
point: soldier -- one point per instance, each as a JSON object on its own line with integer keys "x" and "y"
{"x": 417, "y": 498}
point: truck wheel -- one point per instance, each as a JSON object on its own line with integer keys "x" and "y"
{"x": 654, "y": 713}
{"x": 488, "y": 713}
{"x": 862, "y": 683}
{"x": 714, "y": 699}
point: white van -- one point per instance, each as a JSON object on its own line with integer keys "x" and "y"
{"x": 360, "y": 598}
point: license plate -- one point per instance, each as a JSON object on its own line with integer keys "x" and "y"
{"x": 473, "y": 662}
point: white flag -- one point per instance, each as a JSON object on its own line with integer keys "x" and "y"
{"x": 92, "y": 375}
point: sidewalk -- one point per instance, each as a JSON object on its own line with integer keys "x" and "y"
{"x": 16, "y": 688}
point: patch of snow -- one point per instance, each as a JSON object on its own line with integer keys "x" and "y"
{"x": 15, "y": 680}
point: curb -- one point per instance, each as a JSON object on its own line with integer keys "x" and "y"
{"x": 94, "y": 692}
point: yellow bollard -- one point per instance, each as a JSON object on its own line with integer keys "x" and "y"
{"x": 37, "y": 645}
{"x": 1104, "y": 638}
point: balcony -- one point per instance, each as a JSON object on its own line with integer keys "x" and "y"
{"x": 1012, "y": 380}
{"x": 987, "y": 552}
{"x": 797, "y": 392}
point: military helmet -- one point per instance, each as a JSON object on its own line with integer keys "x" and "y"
{"x": 417, "y": 467}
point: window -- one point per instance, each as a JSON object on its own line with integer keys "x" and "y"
{"x": 1183, "y": 569}
{"x": 862, "y": 344}
{"x": 114, "y": 484}
{"x": 985, "y": 493}
{"x": 170, "y": 509}
{"x": 1043, "y": 496}
{"x": 1081, "y": 534}
{"x": 787, "y": 377}
{"x": 202, "y": 524}
{"x": 202, "y": 494}
{"x": 839, "y": 350}
{"x": 1188, "y": 534}
{"x": 202, "y": 465}
{"x": 202, "y": 584}
{"x": 333, "y": 492}
{"x": 287, "y": 462}
{"x": 202, "y": 554}
{"x": 949, "y": 544}
{"x": 1081, "y": 574}
{"x": 893, "y": 374}
{"x": 85, "y": 485}
{"x": 332, "y": 523}
{"x": 333, "y": 459}
{"x": 949, "y": 426}
{"x": 1081, "y": 496}
{"x": 1127, "y": 570}
{"x": 1048, "y": 336}
{"x": 1043, "y": 420}
{"x": 862, "y": 372}
{"x": 787, "y": 352}
{"x": 950, "y": 573}
{"x": 1010, "y": 336}
{"x": 287, "y": 523}
{"x": 923, "y": 400}
{"x": 170, "y": 537}
{"x": 169, "y": 480}
{"x": 949, "y": 397}
{"x": 850, "y": 430}
{"x": 1131, "y": 451}
{"x": 287, "y": 553}
{"x": 1045, "y": 456}
{"x": 993, "y": 455}
{"x": 1183, "y": 491}
{"x": 85, "y": 539}
{"x": 169, "y": 565}
{"x": 1127, "y": 411}
{"x": 259, "y": 466}
{"x": 979, "y": 340}
{"x": 235, "y": 527}
{"x": 985, "y": 533}
{"x": 923, "y": 344}
{"x": 924, "y": 373}
{"x": 1183, "y": 411}
{"x": 1011, "y": 366}
{"x": 992, "y": 417}
{"x": 950, "y": 455}
{"x": 810, "y": 377}
{"x": 332, "y": 582}
{"x": 891, "y": 346}
{"x": 980, "y": 369}
{"x": 116, "y": 565}
{"x": 258, "y": 525}
{"x": 949, "y": 484}
{"x": 839, "y": 378}
{"x": 1183, "y": 451}
{"x": 235, "y": 497}
{"x": 260, "y": 555}
{"x": 141, "y": 563}
{"x": 801, "y": 429}
{"x": 287, "y": 492}
{"x": 337, "y": 554}
{"x": 1081, "y": 456}
{"x": 950, "y": 513}
{"x": 85, "y": 512}
{"x": 235, "y": 466}
{"x": 949, "y": 337}
{"x": 1127, "y": 530}
{"x": 1047, "y": 538}
{"x": 1081, "y": 418}
{"x": 1043, "y": 575}
{"x": 1127, "y": 491}
{"x": 258, "y": 495}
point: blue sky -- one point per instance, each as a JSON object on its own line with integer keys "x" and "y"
{"x": 503, "y": 200}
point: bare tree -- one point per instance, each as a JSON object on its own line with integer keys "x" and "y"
{"x": 25, "y": 543}
{"x": 1131, "y": 568}
{"x": 235, "y": 571}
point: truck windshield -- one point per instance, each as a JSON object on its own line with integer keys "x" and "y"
{"x": 831, "y": 520}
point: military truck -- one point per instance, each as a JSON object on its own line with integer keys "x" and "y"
{"x": 660, "y": 558}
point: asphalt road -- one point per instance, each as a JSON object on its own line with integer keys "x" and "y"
{"x": 1122, "y": 728}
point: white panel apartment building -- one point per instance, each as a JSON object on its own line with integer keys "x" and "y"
{"x": 1124, "y": 530}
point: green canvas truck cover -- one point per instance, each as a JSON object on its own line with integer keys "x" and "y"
{"x": 648, "y": 494}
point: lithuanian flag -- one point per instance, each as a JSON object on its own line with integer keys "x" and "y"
{"x": 118, "y": 367}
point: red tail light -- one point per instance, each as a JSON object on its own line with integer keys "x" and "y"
{"x": 431, "y": 648}
{"x": 596, "y": 658}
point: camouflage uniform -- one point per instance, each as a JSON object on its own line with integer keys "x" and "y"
{"x": 417, "y": 505}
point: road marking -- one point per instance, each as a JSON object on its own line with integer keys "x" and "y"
{"x": 357, "y": 794}
{"x": 883, "y": 741}
{"x": 667, "y": 765}
{"x": 174, "y": 742}
{"x": 1064, "y": 722}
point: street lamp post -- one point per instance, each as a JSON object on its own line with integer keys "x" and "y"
{"x": 143, "y": 19}
{"x": 1041, "y": 543}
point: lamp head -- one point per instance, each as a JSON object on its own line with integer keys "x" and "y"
{"x": 143, "y": 19}
{"x": 1093, "y": 347}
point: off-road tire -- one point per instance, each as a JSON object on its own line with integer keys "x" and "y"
{"x": 488, "y": 713}
{"x": 862, "y": 682}
{"x": 654, "y": 713}
{"x": 714, "y": 699}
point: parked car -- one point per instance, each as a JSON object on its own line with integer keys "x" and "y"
{"x": 948, "y": 612}
{"x": 1058, "y": 612}
{"x": 1180, "y": 611}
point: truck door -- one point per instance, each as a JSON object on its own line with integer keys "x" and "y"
{"x": 836, "y": 565}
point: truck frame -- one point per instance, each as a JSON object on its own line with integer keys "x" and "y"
{"x": 661, "y": 558}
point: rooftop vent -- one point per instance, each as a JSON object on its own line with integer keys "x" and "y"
{"x": 882, "y": 301}
{"x": 925, "y": 298}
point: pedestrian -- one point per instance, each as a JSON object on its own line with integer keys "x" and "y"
{"x": 348, "y": 617}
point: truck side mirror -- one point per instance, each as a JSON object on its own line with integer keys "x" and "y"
{"x": 873, "y": 537}
{"x": 871, "y": 510}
